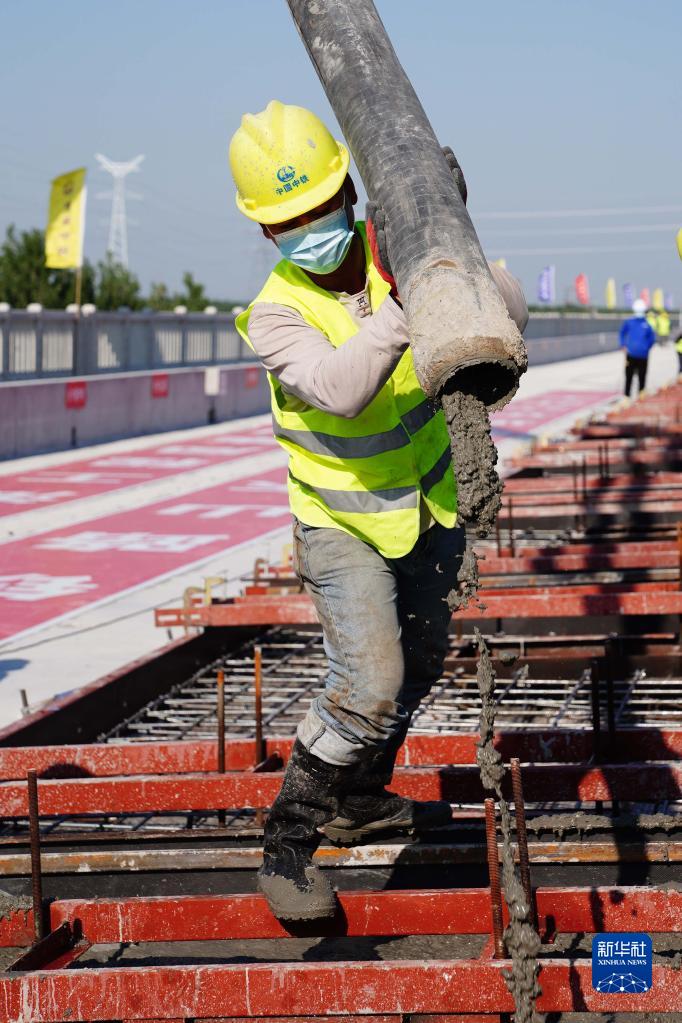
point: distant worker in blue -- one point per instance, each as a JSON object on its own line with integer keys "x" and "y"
{"x": 637, "y": 338}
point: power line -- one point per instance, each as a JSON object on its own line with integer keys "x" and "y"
{"x": 617, "y": 229}
{"x": 501, "y": 251}
{"x": 605, "y": 212}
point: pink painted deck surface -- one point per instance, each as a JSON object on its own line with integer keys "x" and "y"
{"x": 45, "y": 576}
{"x": 105, "y": 473}
{"x": 525, "y": 415}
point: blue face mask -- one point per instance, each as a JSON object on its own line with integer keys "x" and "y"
{"x": 321, "y": 246}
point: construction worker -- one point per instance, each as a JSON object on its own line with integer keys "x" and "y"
{"x": 651, "y": 318}
{"x": 662, "y": 327}
{"x": 637, "y": 338}
{"x": 371, "y": 488}
{"x": 678, "y": 349}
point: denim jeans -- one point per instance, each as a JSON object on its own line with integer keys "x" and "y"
{"x": 385, "y": 623}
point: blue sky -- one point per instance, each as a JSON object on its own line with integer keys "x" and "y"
{"x": 550, "y": 106}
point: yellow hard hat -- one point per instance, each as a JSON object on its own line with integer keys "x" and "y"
{"x": 285, "y": 162}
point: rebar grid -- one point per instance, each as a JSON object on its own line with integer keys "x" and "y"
{"x": 294, "y": 668}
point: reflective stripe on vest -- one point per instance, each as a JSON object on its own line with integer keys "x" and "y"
{"x": 436, "y": 474}
{"x": 360, "y": 447}
{"x": 364, "y": 502}
{"x": 365, "y": 474}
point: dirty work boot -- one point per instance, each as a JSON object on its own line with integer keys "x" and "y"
{"x": 295, "y": 887}
{"x": 369, "y": 809}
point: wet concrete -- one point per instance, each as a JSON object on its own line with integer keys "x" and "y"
{"x": 582, "y": 823}
{"x": 420, "y": 947}
{"x": 474, "y": 458}
{"x": 11, "y": 903}
{"x": 8, "y": 956}
{"x": 479, "y": 489}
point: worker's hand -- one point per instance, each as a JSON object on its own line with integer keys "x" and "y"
{"x": 375, "y": 221}
{"x": 456, "y": 172}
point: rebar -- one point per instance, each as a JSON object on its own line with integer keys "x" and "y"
{"x": 258, "y": 702}
{"x": 220, "y": 685}
{"x": 511, "y": 527}
{"x": 596, "y": 711}
{"x": 494, "y": 876}
{"x": 36, "y": 867}
{"x": 522, "y": 837}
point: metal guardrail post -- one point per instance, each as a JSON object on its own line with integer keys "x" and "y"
{"x": 150, "y": 335}
{"x": 214, "y": 341}
{"x": 183, "y": 341}
{"x": 38, "y": 330}
{"x": 5, "y": 326}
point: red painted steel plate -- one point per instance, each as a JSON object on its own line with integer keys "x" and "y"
{"x": 630, "y": 781}
{"x": 312, "y": 988}
{"x": 189, "y": 757}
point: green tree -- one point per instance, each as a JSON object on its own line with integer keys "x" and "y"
{"x": 24, "y": 277}
{"x": 159, "y": 298}
{"x": 194, "y": 295}
{"x": 116, "y": 286}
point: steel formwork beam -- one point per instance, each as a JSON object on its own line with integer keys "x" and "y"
{"x": 189, "y": 757}
{"x": 592, "y": 505}
{"x": 649, "y": 782}
{"x": 548, "y": 460}
{"x": 579, "y": 602}
{"x": 325, "y": 989}
{"x": 596, "y": 501}
{"x": 491, "y": 564}
{"x": 387, "y": 913}
{"x": 384, "y": 913}
{"x": 616, "y": 850}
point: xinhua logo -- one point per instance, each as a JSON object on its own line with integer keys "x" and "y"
{"x": 286, "y": 173}
{"x": 621, "y": 963}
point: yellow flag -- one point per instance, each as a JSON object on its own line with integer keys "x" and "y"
{"x": 611, "y": 293}
{"x": 679, "y": 242}
{"x": 657, "y": 300}
{"x": 501, "y": 262}
{"x": 66, "y": 221}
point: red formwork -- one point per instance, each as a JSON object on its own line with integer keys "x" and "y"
{"x": 472, "y": 985}
{"x": 375, "y": 914}
{"x": 645, "y": 782}
{"x": 393, "y": 988}
{"x": 187, "y": 757}
{"x": 578, "y": 602}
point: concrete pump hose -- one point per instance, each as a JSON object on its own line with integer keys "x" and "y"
{"x": 462, "y": 337}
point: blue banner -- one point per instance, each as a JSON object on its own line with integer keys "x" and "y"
{"x": 628, "y": 295}
{"x": 546, "y": 285}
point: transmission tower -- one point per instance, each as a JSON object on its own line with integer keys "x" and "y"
{"x": 118, "y": 225}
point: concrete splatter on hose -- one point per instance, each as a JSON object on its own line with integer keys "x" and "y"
{"x": 479, "y": 490}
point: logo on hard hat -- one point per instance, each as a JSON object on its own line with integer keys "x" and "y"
{"x": 286, "y": 173}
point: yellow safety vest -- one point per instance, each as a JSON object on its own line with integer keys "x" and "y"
{"x": 364, "y": 475}
{"x": 662, "y": 327}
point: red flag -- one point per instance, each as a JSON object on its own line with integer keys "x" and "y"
{"x": 582, "y": 289}
{"x": 645, "y": 296}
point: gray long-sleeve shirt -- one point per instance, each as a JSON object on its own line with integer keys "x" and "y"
{"x": 344, "y": 380}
